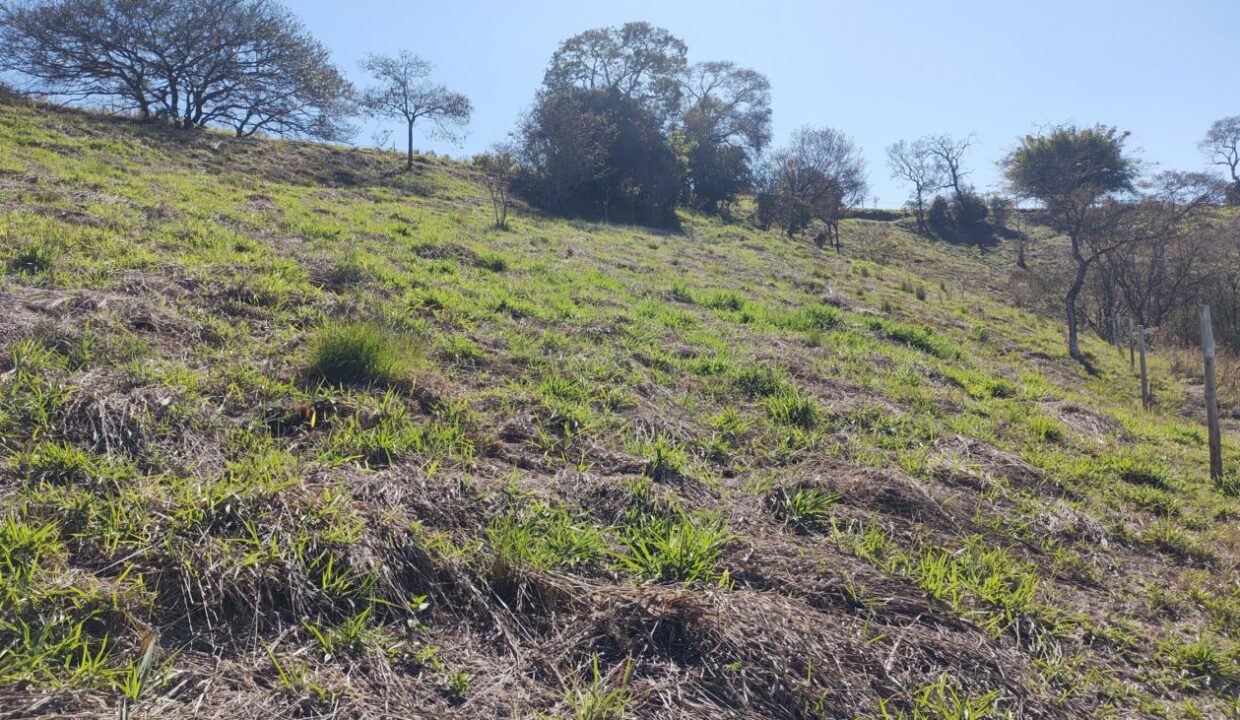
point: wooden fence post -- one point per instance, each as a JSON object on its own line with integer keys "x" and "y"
{"x": 1207, "y": 351}
{"x": 1132, "y": 347}
{"x": 1146, "y": 400}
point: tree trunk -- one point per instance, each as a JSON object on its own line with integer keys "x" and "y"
{"x": 1078, "y": 282}
{"x": 409, "y": 152}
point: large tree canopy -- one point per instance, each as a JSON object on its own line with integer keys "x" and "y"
{"x": 636, "y": 60}
{"x": 248, "y": 65}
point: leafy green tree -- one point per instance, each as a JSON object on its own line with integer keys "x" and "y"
{"x": 637, "y": 60}
{"x": 1074, "y": 172}
{"x": 599, "y": 153}
{"x": 727, "y": 123}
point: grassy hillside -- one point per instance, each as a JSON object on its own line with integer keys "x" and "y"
{"x": 341, "y": 450}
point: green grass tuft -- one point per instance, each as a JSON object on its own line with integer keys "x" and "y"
{"x": 359, "y": 353}
{"x": 678, "y": 548}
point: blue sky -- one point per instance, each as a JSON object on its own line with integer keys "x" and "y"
{"x": 879, "y": 71}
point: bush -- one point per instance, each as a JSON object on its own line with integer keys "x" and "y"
{"x": 940, "y": 215}
{"x": 969, "y": 211}
{"x": 358, "y": 353}
{"x": 599, "y": 154}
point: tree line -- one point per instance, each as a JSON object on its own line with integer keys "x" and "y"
{"x": 625, "y": 128}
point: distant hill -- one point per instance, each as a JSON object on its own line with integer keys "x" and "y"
{"x": 343, "y": 450}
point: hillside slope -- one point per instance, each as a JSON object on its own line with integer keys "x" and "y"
{"x": 591, "y": 472}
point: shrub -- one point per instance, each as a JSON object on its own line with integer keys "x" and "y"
{"x": 940, "y": 215}
{"x": 969, "y": 211}
{"x": 358, "y": 353}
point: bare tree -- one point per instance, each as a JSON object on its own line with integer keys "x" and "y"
{"x": 820, "y": 175}
{"x": 499, "y": 168}
{"x": 736, "y": 100}
{"x": 1222, "y": 146}
{"x": 1157, "y": 248}
{"x": 245, "y": 64}
{"x": 82, "y": 51}
{"x": 403, "y": 91}
{"x": 915, "y": 164}
{"x": 949, "y": 152}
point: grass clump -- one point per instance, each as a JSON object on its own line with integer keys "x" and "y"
{"x": 814, "y": 317}
{"x": 358, "y": 353}
{"x": 918, "y": 337}
{"x": 25, "y": 549}
{"x": 544, "y": 537}
{"x": 757, "y": 381}
{"x": 941, "y": 700}
{"x": 724, "y": 300}
{"x": 795, "y": 408}
{"x": 666, "y": 461}
{"x": 677, "y": 548}
{"x": 1202, "y": 661}
{"x": 1045, "y": 429}
{"x": 32, "y": 259}
{"x": 1171, "y": 538}
{"x": 804, "y": 508}
{"x": 1139, "y": 469}
{"x": 603, "y": 698}
{"x": 64, "y": 464}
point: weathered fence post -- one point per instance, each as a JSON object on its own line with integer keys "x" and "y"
{"x": 1132, "y": 347}
{"x": 1115, "y": 333}
{"x": 1207, "y": 351}
{"x": 1146, "y": 401}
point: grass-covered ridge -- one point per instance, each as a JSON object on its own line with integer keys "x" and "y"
{"x": 339, "y": 446}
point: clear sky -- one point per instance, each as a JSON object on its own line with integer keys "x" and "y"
{"x": 878, "y": 70}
